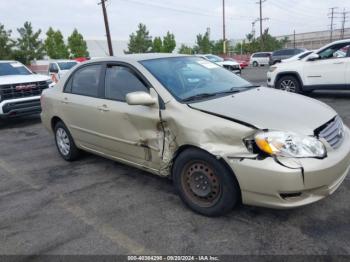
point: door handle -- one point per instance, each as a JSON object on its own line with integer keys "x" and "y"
{"x": 338, "y": 63}
{"x": 103, "y": 108}
{"x": 65, "y": 101}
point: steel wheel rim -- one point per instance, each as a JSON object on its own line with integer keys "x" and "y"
{"x": 63, "y": 142}
{"x": 288, "y": 85}
{"x": 200, "y": 184}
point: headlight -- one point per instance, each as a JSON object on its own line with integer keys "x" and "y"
{"x": 289, "y": 145}
{"x": 49, "y": 82}
{"x": 272, "y": 68}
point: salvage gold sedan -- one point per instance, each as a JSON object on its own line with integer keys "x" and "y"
{"x": 219, "y": 138}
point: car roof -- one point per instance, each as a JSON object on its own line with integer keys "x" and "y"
{"x": 135, "y": 57}
{"x": 340, "y": 41}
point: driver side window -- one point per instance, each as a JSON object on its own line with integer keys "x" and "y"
{"x": 120, "y": 81}
{"x": 336, "y": 51}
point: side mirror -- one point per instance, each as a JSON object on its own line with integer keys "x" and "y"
{"x": 313, "y": 57}
{"x": 140, "y": 98}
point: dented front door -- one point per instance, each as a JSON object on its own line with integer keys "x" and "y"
{"x": 129, "y": 132}
{"x": 132, "y": 133}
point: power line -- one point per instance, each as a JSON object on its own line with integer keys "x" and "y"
{"x": 108, "y": 33}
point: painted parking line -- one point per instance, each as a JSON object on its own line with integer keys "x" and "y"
{"x": 5, "y": 168}
{"x": 106, "y": 230}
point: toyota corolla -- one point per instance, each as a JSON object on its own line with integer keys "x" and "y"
{"x": 220, "y": 139}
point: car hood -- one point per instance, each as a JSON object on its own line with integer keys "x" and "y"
{"x": 18, "y": 79}
{"x": 266, "y": 108}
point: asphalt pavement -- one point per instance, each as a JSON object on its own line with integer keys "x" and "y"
{"x": 97, "y": 206}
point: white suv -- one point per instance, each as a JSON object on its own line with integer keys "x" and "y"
{"x": 20, "y": 89}
{"x": 327, "y": 69}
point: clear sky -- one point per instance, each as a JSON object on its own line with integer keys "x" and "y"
{"x": 185, "y": 18}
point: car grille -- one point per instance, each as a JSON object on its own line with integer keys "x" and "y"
{"x": 21, "y": 90}
{"x": 231, "y": 67}
{"x": 332, "y": 132}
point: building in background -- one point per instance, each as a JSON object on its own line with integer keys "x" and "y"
{"x": 314, "y": 40}
{"x": 99, "y": 48}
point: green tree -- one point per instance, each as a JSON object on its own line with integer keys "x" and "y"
{"x": 6, "y": 44}
{"x": 55, "y": 46}
{"x": 217, "y": 47}
{"x": 61, "y": 48}
{"x": 169, "y": 43}
{"x": 141, "y": 41}
{"x": 253, "y": 45}
{"x": 77, "y": 45}
{"x": 157, "y": 46}
{"x": 29, "y": 46}
{"x": 203, "y": 44}
{"x": 184, "y": 49}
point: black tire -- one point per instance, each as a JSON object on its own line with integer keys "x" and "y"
{"x": 255, "y": 64}
{"x": 289, "y": 83}
{"x": 224, "y": 192}
{"x": 73, "y": 152}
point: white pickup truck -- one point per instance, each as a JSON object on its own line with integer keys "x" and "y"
{"x": 20, "y": 89}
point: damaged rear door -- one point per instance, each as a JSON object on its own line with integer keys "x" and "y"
{"x": 130, "y": 132}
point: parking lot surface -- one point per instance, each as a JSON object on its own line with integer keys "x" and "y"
{"x": 97, "y": 206}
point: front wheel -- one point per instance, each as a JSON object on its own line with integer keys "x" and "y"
{"x": 65, "y": 143}
{"x": 289, "y": 83}
{"x": 205, "y": 184}
{"x": 255, "y": 64}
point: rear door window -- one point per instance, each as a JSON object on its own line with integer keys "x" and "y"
{"x": 86, "y": 81}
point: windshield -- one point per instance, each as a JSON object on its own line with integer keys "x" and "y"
{"x": 13, "y": 68}
{"x": 305, "y": 54}
{"x": 187, "y": 77}
{"x": 214, "y": 58}
{"x": 66, "y": 65}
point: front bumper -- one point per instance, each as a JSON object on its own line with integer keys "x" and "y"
{"x": 270, "y": 184}
{"x": 270, "y": 79}
{"x": 20, "y": 107}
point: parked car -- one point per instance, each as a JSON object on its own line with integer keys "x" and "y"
{"x": 325, "y": 69}
{"x": 286, "y": 53}
{"x": 57, "y": 68}
{"x": 260, "y": 59}
{"x": 232, "y": 66}
{"x": 219, "y": 138}
{"x": 243, "y": 64}
{"x": 20, "y": 89}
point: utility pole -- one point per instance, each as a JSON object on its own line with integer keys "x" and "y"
{"x": 344, "y": 20}
{"x": 108, "y": 34}
{"x": 223, "y": 27}
{"x": 331, "y": 16}
{"x": 261, "y": 24}
{"x": 294, "y": 44}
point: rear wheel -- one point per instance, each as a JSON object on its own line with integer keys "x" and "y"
{"x": 65, "y": 143}
{"x": 205, "y": 184}
{"x": 289, "y": 83}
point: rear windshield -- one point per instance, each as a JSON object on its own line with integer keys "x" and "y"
{"x": 13, "y": 68}
{"x": 66, "y": 65}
